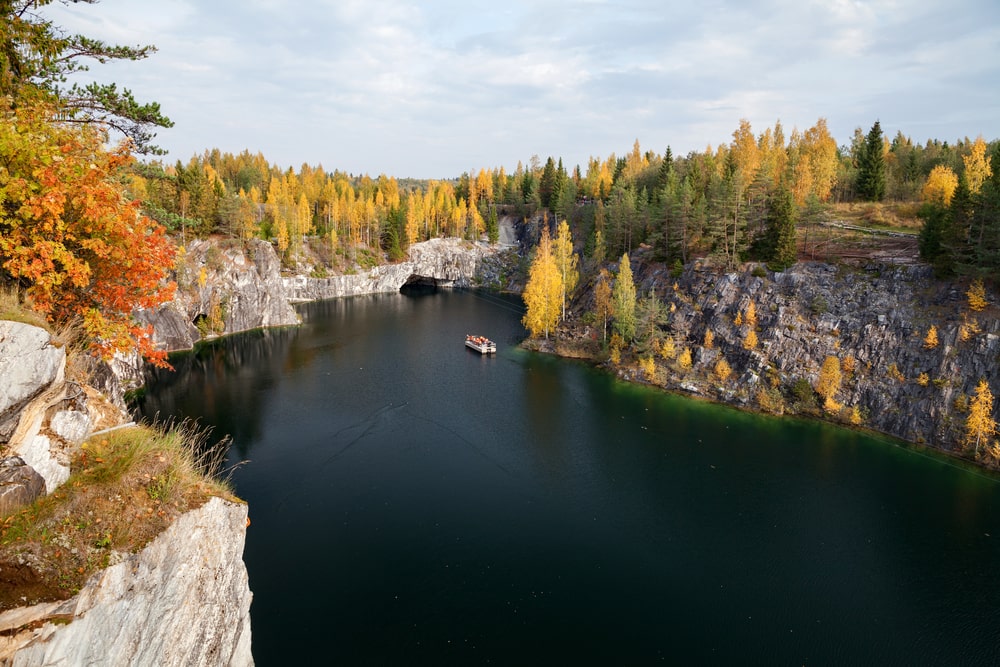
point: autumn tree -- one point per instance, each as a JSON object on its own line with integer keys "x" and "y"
{"x": 940, "y": 186}
{"x": 722, "y": 369}
{"x": 977, "y": 166}
{"x": 931, "y": 339}
{"x": 603, "y": 303}
{"x": 543, "y": 291}
{"x": 70, "y": 236}
{"x": 623, "y": 298}
{"x": 828, "y": 382}
{"x": 976, "y": 296}
{"x": 566, "y": 261}
{"x": 980, "y": 425}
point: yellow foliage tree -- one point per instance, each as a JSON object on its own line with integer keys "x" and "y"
{"x": 931, "y": 339}
{"x": 751, "y": 314}
{"x": 668, "y": 350}
{"x": 684, "y": 360}
{"x": 940, "y": 186}
{"x": 977, "y": 295}
{"x": 566, "y": 260}
{"x": 828, "y": 382}
{"x": 603, "y": 304}
{"x": 709, "y": 339}
{"x": 750, "y": 340}
{"x": 648, "y": 366}
{"x": 543, "y": 291}
{"x": 723, "y": 370}
{"x": 977, "y": 166}
{"x": 980, "y": 425}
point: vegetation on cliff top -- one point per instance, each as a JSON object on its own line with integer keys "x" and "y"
{"x": 125, "y": 488}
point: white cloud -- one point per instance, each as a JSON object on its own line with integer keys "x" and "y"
{"x": 434, "y": 89}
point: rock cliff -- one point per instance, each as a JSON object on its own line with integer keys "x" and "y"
{"x": 441, "y": 262}
{"x": 183, "y": 600}
{"x": 874, "y": 320}
{"x": 223, "y": 287}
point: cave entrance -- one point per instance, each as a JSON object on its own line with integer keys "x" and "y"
{"x": 419, "y": 285}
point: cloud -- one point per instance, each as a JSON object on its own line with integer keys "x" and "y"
{"x": 434, "y": 89}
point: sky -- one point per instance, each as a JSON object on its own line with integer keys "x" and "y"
{"x": 433, "y": 89}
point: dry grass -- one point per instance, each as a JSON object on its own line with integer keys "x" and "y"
{"x": 893, "y": 216}
{"x": 126, "y": 487}
{"x": 13, "y": 309}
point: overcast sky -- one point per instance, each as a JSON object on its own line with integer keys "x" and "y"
{"x": 433, "y": 89}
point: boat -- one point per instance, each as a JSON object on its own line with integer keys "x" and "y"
{"x": 480, "y": 344}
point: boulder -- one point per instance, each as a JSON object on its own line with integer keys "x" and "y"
{"x": 29, "y": 364}
{"x": 19, "y": 484}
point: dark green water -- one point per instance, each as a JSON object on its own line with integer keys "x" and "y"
{"x": 415, "y": 503}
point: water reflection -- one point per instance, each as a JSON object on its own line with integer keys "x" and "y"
{"x": 444, "y": 507}
{"x": 229, "y": 381}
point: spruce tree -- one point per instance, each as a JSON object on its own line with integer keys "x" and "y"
{"x": 778, "y": 247}
{"x": 871, "y": 166}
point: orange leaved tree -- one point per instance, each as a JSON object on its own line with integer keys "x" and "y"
{"x": 70, "y": 236}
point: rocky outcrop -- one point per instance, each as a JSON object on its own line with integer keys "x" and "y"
{"x": 873, "y": 319}
{"x": 223, "y": 287}
{"x": 43, "y": 416}
{"x": 440, "y": 262}
{"x": 20, "y": 485}
{"x": 182, "y": 600}
{"x": 29, "y": 364}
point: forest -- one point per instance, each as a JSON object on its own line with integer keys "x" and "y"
{"x": 731, "y": 202}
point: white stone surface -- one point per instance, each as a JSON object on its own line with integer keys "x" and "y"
{"x": 72, "y": 426}
{"x": 183, "y": 600}
{"x": 29, "y": 363}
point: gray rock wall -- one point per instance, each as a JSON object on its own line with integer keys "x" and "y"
{"x": 879, "y": 316}
{"x": 231, "y": 286}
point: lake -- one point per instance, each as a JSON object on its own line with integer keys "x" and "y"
{"x": 413, "y": 502}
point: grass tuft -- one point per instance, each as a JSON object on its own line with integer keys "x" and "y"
{"x": 125, "y": 488}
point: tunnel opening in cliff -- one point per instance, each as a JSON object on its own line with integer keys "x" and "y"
{"x": 417, "y": 283}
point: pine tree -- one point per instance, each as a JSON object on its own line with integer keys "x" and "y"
{"x": 871, "y": 166}
{"x": 543, "y": 291}
{"x": 623, "y": 297}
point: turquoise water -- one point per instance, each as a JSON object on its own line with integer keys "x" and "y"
{"x": 416, "y": 503}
